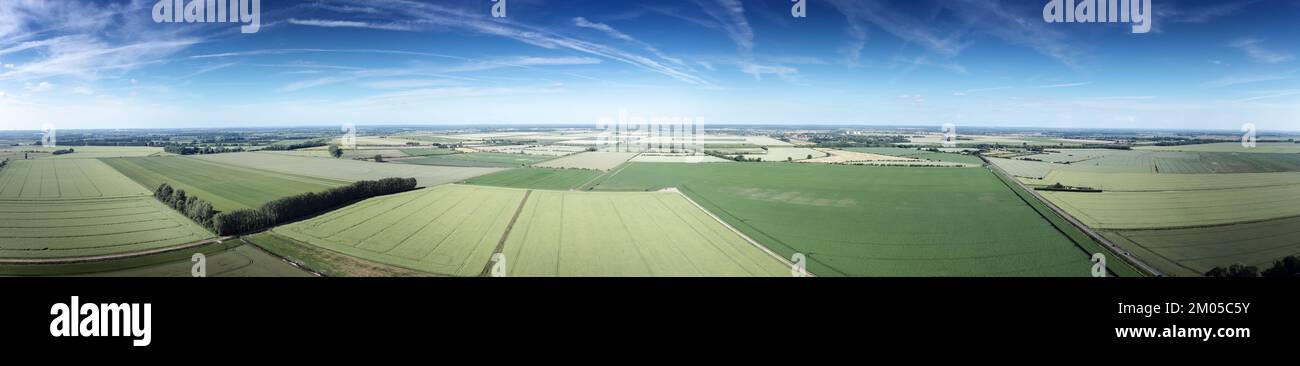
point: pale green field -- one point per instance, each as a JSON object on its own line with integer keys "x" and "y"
{"x": 1192, "y": 252}
{"x": 449, "y": 229}
{"x": 64, "y": 179}
{"x": 349, "y": 170}
{"x": 240, "y": 261}
{"x": 588, "y": 160}
{"x": 82, "y": 207}
{"x": 91, "y": 152}
{"x": 778, "y": 154}
{"x": 1174, "y": 209}
{"x": 684, "y": 159}
{"x": 1261, "y": 147}
{"x": 455, "y": 229}
{"x": 1130, "y": 182}
{"x": 628, "y": 234}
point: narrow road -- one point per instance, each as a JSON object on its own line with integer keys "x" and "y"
{"x": 1086, "y": 230}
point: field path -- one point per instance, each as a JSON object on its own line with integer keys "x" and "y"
{"x": 1086, "y": 230}
{"x": 728, "y": 226}
{"x": 96, "y": 258}
{"x": 501, "y": 244}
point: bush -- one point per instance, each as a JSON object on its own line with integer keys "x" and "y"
{"x": 1285, "y": 267}
{"x": 1235, "y": 271}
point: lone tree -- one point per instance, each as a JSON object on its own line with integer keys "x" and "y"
{"x": 335, "y": 151}
{"x": 379, "y": 158}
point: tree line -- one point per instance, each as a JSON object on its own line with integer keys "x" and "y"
{"x": 196, "y": 209}
{"x": 196, "y": 150}
{"x": 297, "y": 145}
{"x": 1285, "y": 267}
{"x": 280, "y": 210}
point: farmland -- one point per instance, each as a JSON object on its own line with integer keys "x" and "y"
{"x": 448, "y": 230}
{"x": 484, "y": 159}
{"x": 53, "y": 208}
{"x": 644, "y": 234}
{"x": 92, "y": 152}
{"x": 1159, "y": 162}
{"x": 348, "y": 170}
{"x": 454, "y": 229}
{"x": 230, "y": 259}
{"x": 227, "y": 187}
{"x": 589, "y": 160}
{"x": 1181, "y": 212}
{"x": 1260, "y": 147}
{"x": 537, "y": 178}
{"x": 1193, "y": 251}
{"x": 891, "y": 221}
{"x": 919, "y": 154}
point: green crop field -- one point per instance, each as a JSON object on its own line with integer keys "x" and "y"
{"x": 227, "y": 187}
{"x": 1193, "y": 251}
{"x": 450, "y": 229}
{"x": 589, "y": 160}
{"x": 53, "y": 208}
{"x": 348, "y": 170}
{"x": 455, "y": 229}
{"x": 429, "y": 152}
{"x": 1159, "y": 162}
{"x": 920, "y": 154}
{"x": 1175, "y": 209}
{"x": 1260, "y": 147}
{"x": 484, "y": 159}
{"x": 229, "y": 259}
{"x": 94, "y": 152}
{"x": 641, "y": 234}
{"x": 874, "y": 221}
{"x": 1131, "y": 182}
{"x": 537, "y": 178}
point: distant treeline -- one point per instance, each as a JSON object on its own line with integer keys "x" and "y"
{"x": 297, "y": 145}
{"x": 63, "y": 151}
{"x": 1285, "y": 267}
{"x": 195, "y": 150}
{"x": 296, "y": 207}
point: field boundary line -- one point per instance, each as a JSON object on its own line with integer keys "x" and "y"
{"x": 1007, "y": 179}
{"x": 97, "y": 258}
{"x": 729, "y": 227}
{"x": 501, "y": 244}
{"x": 286, "y": 260}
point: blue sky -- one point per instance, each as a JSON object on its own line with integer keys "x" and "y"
{"x": 107, "y": 64}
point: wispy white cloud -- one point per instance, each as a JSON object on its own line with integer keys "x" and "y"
{"x": 521, "y": 61}
{"x": 84, "y": 39}
{"x": 1063, "y": 85}
{"x": 619, "y": 35}
{"x": 438, "y": 16}
{"x": 352, "y": 24}
{"x": 730, "y": 15}
{"x": 1270, "y": 95}
{"x": 1255, "y": 49}
{"x": 41, "y": 87}
{"x": 1249, "y": 79}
